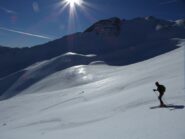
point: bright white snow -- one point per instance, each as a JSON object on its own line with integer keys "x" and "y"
{"x": 100, "y": 102}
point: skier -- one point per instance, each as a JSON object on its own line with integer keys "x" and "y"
{"x": 161, "y": 89}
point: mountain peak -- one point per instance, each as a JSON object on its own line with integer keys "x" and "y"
{"x": 109, "y": 26}
{"x": 150, "y": 18}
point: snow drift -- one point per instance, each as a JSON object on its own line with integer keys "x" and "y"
{"x": 17, "y": 82}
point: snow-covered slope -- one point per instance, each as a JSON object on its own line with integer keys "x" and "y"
{"x": 22, "y": 80}
{"x": 99, "y": 102}
{"x": 115, "y": 41}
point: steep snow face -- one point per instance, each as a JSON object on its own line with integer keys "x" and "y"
{"x": 100, "y": 101}
{"x": 22, "y": 80}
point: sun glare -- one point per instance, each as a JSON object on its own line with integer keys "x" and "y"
{"x": 74, "y": 3}
{"x": 72, "y": 8}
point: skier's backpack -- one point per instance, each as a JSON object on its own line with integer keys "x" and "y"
{"x": 162, "y": 88}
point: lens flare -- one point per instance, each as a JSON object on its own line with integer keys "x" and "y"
{"x": 73, "y": 8}
{"x": 74, "y": 3}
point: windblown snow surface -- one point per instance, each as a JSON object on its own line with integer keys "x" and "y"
{"x": 98, "y": 101}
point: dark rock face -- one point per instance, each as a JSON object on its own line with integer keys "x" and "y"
{"x": 110, "y": 26}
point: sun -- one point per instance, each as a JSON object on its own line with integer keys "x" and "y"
{"x": 71, "y": 8}
{"x": 74, "y": 3}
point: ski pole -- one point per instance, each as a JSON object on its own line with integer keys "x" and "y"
{"x": 155, "y": 92}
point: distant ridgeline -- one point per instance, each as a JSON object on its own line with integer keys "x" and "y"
{"x": 114, "y": 41}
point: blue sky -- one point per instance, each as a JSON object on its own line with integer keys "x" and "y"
{"x": 31, "y": 22}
